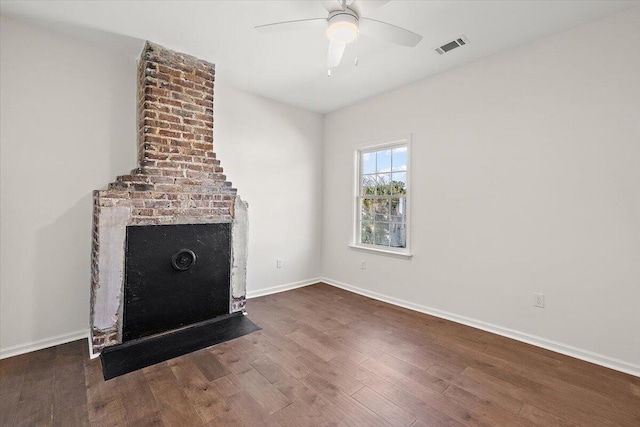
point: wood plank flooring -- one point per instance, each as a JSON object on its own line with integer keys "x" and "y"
{"x": 326, "y": 357}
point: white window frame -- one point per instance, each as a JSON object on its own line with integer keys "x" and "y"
{"x": 355, "y": 242}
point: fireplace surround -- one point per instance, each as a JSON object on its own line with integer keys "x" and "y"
{"x": 179, "y": 189}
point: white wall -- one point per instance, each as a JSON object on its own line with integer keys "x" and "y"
{"x": 272, "y": 153}
{"x": 525, "y": 179}
{"x": 68, "y": 127}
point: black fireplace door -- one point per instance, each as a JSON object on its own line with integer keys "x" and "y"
{"x": 175, "y": 275}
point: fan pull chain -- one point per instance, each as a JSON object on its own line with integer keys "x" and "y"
{"x": 355, "y": 62}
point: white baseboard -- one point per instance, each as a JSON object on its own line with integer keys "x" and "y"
{"x": 589, "y": 356}
{"x": 44, "y": 343}
{"x": 84, "y": 334}
{"x": 282, "y": 288}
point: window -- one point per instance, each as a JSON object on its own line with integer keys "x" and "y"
{"x": 382, "y": 198}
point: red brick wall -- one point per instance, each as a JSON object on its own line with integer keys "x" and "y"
{"x": 178, "y": 172}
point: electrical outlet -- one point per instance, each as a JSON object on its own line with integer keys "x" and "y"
{"x": 278, "y": 263}
{"x": 363, "y": 265}
{"x": 538, "y": 300}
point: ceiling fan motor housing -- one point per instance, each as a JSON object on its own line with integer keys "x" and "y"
{"x": 343, "y": 25}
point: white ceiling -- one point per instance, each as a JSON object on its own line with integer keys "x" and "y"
{"x": 290, "y": 66}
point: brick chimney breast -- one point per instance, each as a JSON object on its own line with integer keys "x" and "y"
{"x": 178, "y": 181}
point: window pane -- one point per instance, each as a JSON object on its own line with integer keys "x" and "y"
{"x": 381, "y": 209}
{"x": 384, "y": 184}
{"x": 397, "y": 235}
{"x": 366, "y": 209}
{"x": 400, "y": 159}
{"x": 381, "y": 233}
{"x": 369, "y": 162}
{"x": 399, "y": 209}
{"x": 399, "y": 183}
{"x": 381, "y": 219}
{"x": 384, "y": 161}
{"x": 366, "y": 232}
{"x": 369, "y": 185}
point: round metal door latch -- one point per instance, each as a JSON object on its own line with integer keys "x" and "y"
{"x": 183, "y": 259}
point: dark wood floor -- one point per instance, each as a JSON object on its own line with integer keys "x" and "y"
{"x": 326, "y": 357}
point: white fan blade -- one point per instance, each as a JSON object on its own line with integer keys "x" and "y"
{"x": 388, "y": 32}
{"x": 331, "y": 5}
{"x": 299, "y": 24}
{"x": 366, "y": 6}
{"x": 334, "y": 54}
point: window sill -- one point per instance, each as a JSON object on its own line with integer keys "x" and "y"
{"x": 396, "y": 254}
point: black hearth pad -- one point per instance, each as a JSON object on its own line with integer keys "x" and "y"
{"x": 137, "y": 354}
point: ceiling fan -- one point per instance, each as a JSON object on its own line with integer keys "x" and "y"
{"x": 343, "y": 25}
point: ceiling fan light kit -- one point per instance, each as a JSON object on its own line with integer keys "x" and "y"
{"x": 343, "y": 26}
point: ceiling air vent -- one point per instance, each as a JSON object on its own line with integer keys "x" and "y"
{"x": 460, "y": 41}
